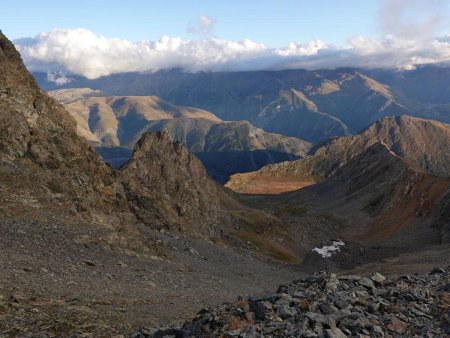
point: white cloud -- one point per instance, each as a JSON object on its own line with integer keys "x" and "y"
{"x": 82, "y": 52}
{"x": 58, "y": 78}
{"x": 203, "y": 27}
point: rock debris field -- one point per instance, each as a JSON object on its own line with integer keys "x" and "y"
{"x": 327, "y": 305}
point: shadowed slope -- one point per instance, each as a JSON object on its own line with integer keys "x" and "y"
{"x": 383, "y": 200}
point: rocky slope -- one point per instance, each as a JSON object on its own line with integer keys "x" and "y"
{"x": 424, "y": 144}
{"x": 332, "y": 306}
{"x": 382, "y": 200}
{"x": 44, "y": 164}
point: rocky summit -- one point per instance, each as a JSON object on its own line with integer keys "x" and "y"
{"x": 331, "y": 306}
{"x": 168, "y": 185}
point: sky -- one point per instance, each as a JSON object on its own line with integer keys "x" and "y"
{"x": 273, "y": 23}
{"x": 96, "y": 38}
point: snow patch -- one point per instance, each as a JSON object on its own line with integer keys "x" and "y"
{"x": 329, "y": 250}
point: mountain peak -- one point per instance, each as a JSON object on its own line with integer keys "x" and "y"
{"x": 167, "y": 183}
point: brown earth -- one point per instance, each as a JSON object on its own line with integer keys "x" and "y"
{"x": 265, "y": 185}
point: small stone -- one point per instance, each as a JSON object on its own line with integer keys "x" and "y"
{"x": 261, "y": 309}
{"x": 332, "y": 283}
{"x": 284, "y": 311}
{"x": 437, "y": 270}
{"x": 193, "y": 252}
{"x": 366, "y": 282}
{"x": 335, "y": 333}
{"x": 377, "y": 329}
{"x": 325, "y": 308}
{"x": 362, "y": 301}
{"x": 341, "y": 304}
{"x": 378, "y": 278}
{"x": 232, "y": 333}
{"x": 349, "y": 278}
{"x": 397, "y": 326}
{"x": 373, "y": 307}
{"x": 145, "y": 332}
{"x": 379, "y": 292}
{"x": 277, "y": 319}
{"x": 303, "y": 305}
{"x": 327, "y": 321}
{"x": 250, "y": 316}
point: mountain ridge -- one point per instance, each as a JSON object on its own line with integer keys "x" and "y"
{"x": 120, "y": 121}
{"x": 424, "y": 144}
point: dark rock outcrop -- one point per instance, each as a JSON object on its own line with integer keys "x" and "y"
{"x": 165, "y": 182}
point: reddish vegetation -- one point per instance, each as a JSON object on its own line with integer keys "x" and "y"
{"x": 407, "y": 208}
{"x": 258, "y": 184}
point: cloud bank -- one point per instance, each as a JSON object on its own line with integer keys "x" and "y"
{"x": 82, "y": 52}
{"x": 409, "y": 19}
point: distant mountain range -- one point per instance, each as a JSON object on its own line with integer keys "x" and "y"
{"x": 225, "y": 147}
{"x": 311, "y": 105}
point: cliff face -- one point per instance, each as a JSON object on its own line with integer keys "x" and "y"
{"x": 44, "y": 164}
